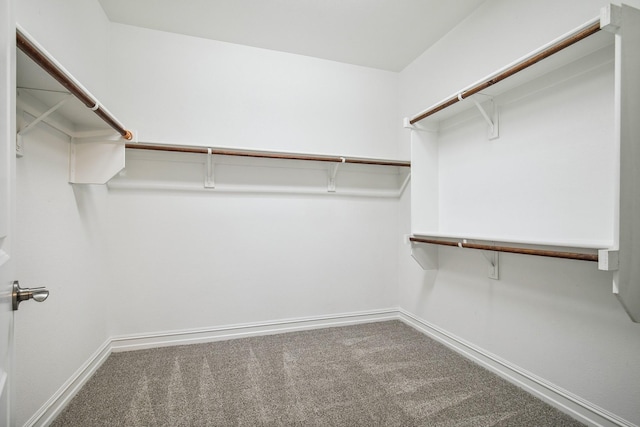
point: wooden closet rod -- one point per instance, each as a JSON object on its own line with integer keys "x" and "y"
{"x": 40, "y": 58}
{"x": 509, "y": 249}
{"x": 555, "y": 48}
{"x": 267, "y": 155}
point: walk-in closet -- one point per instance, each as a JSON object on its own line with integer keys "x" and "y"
{"x": 258, "y": 212}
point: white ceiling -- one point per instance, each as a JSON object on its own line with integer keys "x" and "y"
{"x": 386, "y": 34}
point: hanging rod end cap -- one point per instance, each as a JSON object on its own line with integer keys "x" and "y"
{"x": 406, "y": 123}
{"x": 128, "y": 135}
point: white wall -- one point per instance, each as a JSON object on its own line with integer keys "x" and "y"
{"x": 189, "y": 261}
{"x": 59, "y": 246}
{"x": 188, "y": 90}
{"x": 58, "y": 233}
{"x": 557, "y": 319}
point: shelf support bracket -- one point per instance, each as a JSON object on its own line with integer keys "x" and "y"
{"x": 44, "y": 115}
{"x": 208, "y": 179}
{"x": 95, "y": 162}
{"x": 30, "y": 126}
{"x": 493, "y": 258}
{"x": 492, "y": 121}
{"x": 333, "y": 172}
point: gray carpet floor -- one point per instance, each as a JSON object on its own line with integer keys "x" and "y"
{"x": 376, "y": 374}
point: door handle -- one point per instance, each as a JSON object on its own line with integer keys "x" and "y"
{"x": 23, "y": 294}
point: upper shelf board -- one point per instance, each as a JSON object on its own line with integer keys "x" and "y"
{"x": 39, "y": 84}
{"x": 564, "y": 57}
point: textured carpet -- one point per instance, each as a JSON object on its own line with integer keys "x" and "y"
{"x": 377, "y": 374}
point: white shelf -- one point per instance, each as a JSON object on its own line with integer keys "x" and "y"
{"x": 48, "y": 93}
{"x": 528, "y": 241}
{"x": 573, "y": 53}
{"x": 424, "y": 250}
{"x": 184, "y": 171}
{"x": 566, "y": 169}
{"x": 43, "y": 77}
{"x": 37, "y": 89}
{"x": 447, "y": 203}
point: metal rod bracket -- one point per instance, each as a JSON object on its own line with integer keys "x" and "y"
{"x": 333, "y": 172}
{"x": 493, "y": 258}
{"x": 493, "y": 120}
{"x": 209, "y": 181}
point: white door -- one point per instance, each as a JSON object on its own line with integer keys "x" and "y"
{"x": 7, "y": 191}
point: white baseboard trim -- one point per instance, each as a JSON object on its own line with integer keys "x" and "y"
{"x": 195, "y": 336}
{"x": 555, "y": 396}
{"x": 54, "y": 406}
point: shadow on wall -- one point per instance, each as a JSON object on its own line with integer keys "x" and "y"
{"x": 90, "y": 204}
